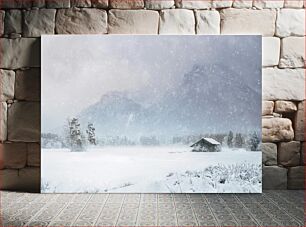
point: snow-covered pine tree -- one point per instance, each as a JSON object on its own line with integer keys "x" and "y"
{"x": 66, "y": 135}
{"x": 239, "y": 141}
{"x": 91, "y": 136}
{"x": 230, "y": 138}
{"x": 75, "y": 134}
{"x": 254, "y": 141}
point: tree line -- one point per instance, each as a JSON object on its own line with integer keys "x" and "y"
{"x": 76, "y": 139}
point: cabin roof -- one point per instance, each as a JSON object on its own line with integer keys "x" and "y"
{"x": 212, "y": 141}
{"x": 208, "y": 140}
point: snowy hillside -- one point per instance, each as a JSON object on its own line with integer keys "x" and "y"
{"x": 151, "y": 169}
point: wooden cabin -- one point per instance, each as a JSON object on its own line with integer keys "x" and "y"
{"x": 206, "y": 145}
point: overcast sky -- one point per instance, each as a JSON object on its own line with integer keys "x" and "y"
{"x": 78, "y": 69}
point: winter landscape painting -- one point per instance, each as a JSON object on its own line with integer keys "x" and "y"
{"x": 151, "y": 114}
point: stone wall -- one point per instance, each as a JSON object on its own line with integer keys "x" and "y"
{"x": 281, "y": 22}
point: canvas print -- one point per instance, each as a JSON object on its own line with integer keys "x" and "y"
{"x": 151, "y": 114}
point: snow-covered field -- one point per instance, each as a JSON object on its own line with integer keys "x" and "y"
{"x": 151, "y": 169}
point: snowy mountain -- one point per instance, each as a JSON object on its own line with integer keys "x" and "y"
{"x": 114, "y": 114}
{"x": 210, "y": 98}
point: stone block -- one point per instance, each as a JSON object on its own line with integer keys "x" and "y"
{"x": 262, "y": 4}
{"x": 13, "y": 21}
{"x": 303, "y": 157}
{"x": 277, "y": 129}
{"x": 191, "y": 4}
{"x": 289, "y": 153}
{"x": 20, "y": 53}
{"x": 285, "y": 106}
{"x": 283, "y": 84}
{"x": 38, "y": 3}
{"x": 242, "y": 4}
{"x": 80, "y": 3}
{"x": 267, "y": 108}
{"x": 9, "y": 179}
{"x": 293, "y": 52}
{"x": 290, "y": 22}
{"x": 16, "y": 4}
{"x": 269, "y": 154}
{"x": 126, "y": 4}
{"x": 159, "y": 4}
{"x": 13, "y": 155}
{"x": 270, "y": 51}
{"x": 81, "y": 21}
{"x": 25, "y": 180}
{"x": 274, "y": 177}
{"x": 221, "y": 3}
{"x": 38, "y": 22}
{"x": 27, "y": 86}
{"x": 296, "y": 177}
{"x": 99, "y": 3}
{"x": 133, "y": 22}
{"x": 3, "y": 121}
{"x": 208, "y": 22}
{"x": 33, "y": 154}
{"x": 30, "y": 179}
{"x": 178, "y": 21}
{"x": 248, "y": 21}
{"x": 7, "y": 85}
{"x": 56, "y": 4}
{"x": 24, "y": 122}
{"x": 2, "y": 15}
{"x": 293, "y": 4}
{"x": 299, "y": 122}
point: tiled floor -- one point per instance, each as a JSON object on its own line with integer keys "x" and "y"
{"x": 272, "y": 208}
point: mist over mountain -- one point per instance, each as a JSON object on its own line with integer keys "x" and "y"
{"x": 211, "y": 98}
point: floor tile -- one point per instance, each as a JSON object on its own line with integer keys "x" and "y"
{"x": 271, "y": 208}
